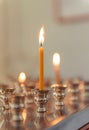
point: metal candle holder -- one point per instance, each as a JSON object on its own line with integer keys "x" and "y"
{"x": 30, "y": 107}
{"x": 17, "y": 106}
{"x": 84, "y": 93}
{"x": 41, "y": 100}
{"x": 6, "y": 92}
{"x": 30, "y": 94}
{"x": 59, "y": 94}
{"x": 73, "y": 97}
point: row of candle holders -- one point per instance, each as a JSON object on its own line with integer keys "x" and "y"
{"x": 29, "y": 107}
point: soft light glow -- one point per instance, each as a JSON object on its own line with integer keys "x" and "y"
{"x": 24, "y": 115}
{"x": 41, "y": 36}
{"x": 56, "y": 59}
{"x": 22, "y": 77}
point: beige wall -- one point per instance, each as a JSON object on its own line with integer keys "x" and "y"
{"x": 20, "y": 22}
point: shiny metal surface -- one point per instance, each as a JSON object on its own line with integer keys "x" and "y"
{"x": 33, "y": 120}
{"x": 30, "y": 122}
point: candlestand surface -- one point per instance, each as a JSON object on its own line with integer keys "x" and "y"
{"x": 40, "y": 114}
{"x": 28, "y": 123}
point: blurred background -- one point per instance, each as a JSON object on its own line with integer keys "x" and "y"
{"x": 20, "y": 23}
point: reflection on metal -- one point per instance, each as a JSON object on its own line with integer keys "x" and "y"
{"x": 22, "y": 116}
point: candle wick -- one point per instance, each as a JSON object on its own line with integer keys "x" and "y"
{"x": 41, "y": 44}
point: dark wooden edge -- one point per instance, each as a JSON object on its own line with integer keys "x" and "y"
{"x": 85, "y": 127}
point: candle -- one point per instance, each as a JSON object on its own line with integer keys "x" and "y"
{"x": 24, "y": 115}
{"x": 22, "y": 81}
{"x": 56, "y": 63}
{"x": 41, "y": 53}
{"x": 22, "y": 78}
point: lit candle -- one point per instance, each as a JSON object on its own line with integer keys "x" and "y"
{"x": 41, "y": 53}
{"x": 22, "y": 78}
{"x": 56, "y": 63}
{"x": 24, "y": 115}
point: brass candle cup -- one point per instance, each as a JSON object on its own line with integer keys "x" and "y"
{"x": 59, "y": 93}
{"x": 41, "y": 99}
{"x": 6, "y": 94}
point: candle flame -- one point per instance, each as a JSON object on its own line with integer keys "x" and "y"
{"x": 56, "y": 59}
{"x": 41, "y": 36}
{"x": 24, "y": 115}
{"x": 22, "y": 77}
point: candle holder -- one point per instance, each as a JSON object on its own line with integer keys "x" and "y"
{"x": 2, "y": 108}
{"x": 6, "y": 93}
{"x": 30, "y": 94}
{"x": 84, "y": 93}
{"x": 30, "y": 107}
{"x": 41, "y": 100}
{"x": 2, "y": 97}
{"x": 29, "y": 102}
{"x": 17, "y": 107}
{"x": 59, "y": 95}
{"x": 73, "y": 97}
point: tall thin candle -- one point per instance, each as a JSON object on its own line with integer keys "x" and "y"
{"x": 41, "y": 53}
{"x": 56, "y": 63}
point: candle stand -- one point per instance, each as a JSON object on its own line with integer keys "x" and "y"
{"x": 17, "y": 107}
{"x": 30, "y": 107}
{"x": 73, "y": 97}
{"x": 8, "y": 94}
{"x": 84, "y": 93}
{"x": 59, "y": 95}
{"x": 5, "y": 94}
{"x": 2, "y": 101}
{"x": 41, "y": 99}
{"x": 30, "y": 94}
{"x": 2, "y": 105}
